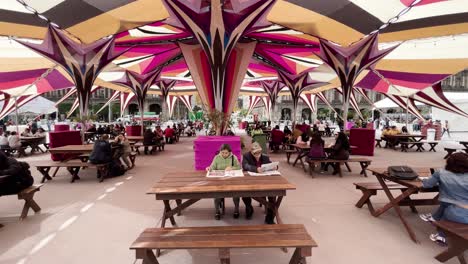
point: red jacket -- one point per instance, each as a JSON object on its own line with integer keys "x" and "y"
{"x": 169, "y": 132}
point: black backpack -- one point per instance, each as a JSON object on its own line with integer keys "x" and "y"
{"x": 402, "y": 173}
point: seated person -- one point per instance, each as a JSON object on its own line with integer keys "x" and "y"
{"x": 328, "y": 131}
{"x": 19, "y": 175}
{"x": 92, "y": 129}
{"x": 257, "y": 131}
{"x": 169, "y": 133}
{"x": 317, "y": 147}
{"x": 404, "y": 130}
{"x": 126, "y": 150}
{"x": 453, "y": 193}
{"x": 159, "y": 134}
{"x": 100, "y": 130}
{"x": 188, "y": 131}
{"x": 303, "y": 139}
{"x": 277, "y": 138}
{"x": 40, "y": 133}
{"x": 296, "y": 134}
{"x": 149, "y": 139}
{"x": 340, "y": 150}
{"x": 4, "y": 144}
{"x": 253, "y": 161}
{"x": 26, "y": 133}
{"x": 14, "y": 141}
{"x": 287, "y": 134}
{"x": 102, "y": 151}
{"x": 225, "y": 160}
{"x": 394, "y": 131}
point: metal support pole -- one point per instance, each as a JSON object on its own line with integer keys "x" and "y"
{"x": 16, "y": 113}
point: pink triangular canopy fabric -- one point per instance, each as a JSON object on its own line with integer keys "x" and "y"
{"x": 268, "y": 107}
{"x": 434, "y": 96}
{"x": 113, "y": 97}
{"x": 310, "y": 100}
{"x": 187, "y": 100}
{"x": 125, "y": 99}
{"x": 404, "y": 103}
{"x": 171, "y": 101}
{"x": 253, "y": 102}
{"x": 76, "y": 102}
{"x": 9, "y": 104}
{"x": 353, "y": 102}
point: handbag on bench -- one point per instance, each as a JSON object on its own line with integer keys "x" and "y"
{"x": 402, "y": 173}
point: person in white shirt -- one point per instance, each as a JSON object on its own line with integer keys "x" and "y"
{"x": 14, "y": 141}
{"x": 4, "y": 141}
{"x": 26, "y": 133}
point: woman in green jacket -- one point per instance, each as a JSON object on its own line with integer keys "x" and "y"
{"x": 225, "y": 160}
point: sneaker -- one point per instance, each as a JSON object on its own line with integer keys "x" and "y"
{"x": 427, "y": 217}
{"x": 438, "y": 238}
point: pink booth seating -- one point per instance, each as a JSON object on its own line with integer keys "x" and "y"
{"x": 133, "y": 130}
{"x": 61, "y": 127}
{"x": 63, "y": 138}
{"x": 206, "y": 147}
{"x": 363, "y": 140}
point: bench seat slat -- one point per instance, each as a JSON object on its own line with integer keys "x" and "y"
{"x": 458, "y": 229}
{"x": 377, "y": 186}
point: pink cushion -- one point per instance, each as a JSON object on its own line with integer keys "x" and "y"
{"x": 63, "y": 138}
{"x": 61, "y": 127}
{"x": 363, "y": 139}
{"x": 133, "y": 130}
{"x": 205, "y": 148}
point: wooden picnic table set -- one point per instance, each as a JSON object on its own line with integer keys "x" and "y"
{"x": 408, "y": 141}
{"x": 184, "y": 189}
{"x": 457, "y": 233}
{"x": 302, "y": 150}
{"x": 451, "y": 150}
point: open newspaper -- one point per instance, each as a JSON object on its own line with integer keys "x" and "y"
{"x": 270, "y": 166}
{"x": 267, "y": 173}
{"x": 223, "y": 173}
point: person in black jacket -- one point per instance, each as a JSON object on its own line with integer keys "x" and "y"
{"x": 14, "y": 175}
{"x": 102, "y": 151}
{"x": 253, "y": 161}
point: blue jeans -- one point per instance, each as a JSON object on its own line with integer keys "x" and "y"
{"x": 450, "y": 212}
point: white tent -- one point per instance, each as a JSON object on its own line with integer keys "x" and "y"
{"x": 38, "y": 106}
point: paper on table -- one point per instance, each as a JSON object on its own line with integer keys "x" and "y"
{"x": 268, "y": 173}
{"x": 270, "y": 166}
{"x": 222, "y": 173}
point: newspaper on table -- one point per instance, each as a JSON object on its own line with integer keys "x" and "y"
{"x": 270, "y": 166}
{"x": 224, "y": 173}
{"x": 267, "y": 173}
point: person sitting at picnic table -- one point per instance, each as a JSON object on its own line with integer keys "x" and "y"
{"x": 252, "y": 161}
{"x": 102, "y": 151}
{"x": 317, "y": 148}
{"x": 277, "y": 138}
{"x": 159, "y": 134}
{"x": 169, "y": 133}
{"x": 100, "y": 130}
{"x": 453, "y": 193}
{"x": 189, "y": 131}
{"x": 340, "y": 150}
{"x": 296, "y": 134}
{"x": 19, "y": 175}
{"x": 404, "y": 130}
{"x": 328, "y": 131}
{"x": 257, "y": 130}
{"x": 303, "y": 139}
{"x": 4, "y": 144}
{"x": 149, "y": 139}
{"x": 92, "y": 129}
{"x": 394, "y": 131}
{"x": 126, "y": 150}
{"x": 225, "y": 160}
{"x": 15, "y": 142}
{"x": 287, "y": 134}
{"x": 26, "y": 133}
{"x": 40, "y": 133}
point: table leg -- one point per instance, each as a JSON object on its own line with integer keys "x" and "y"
{"x": 456, "y": 248}
{"x": 45, "y": 173}
{"x": 394, "y": 203}
{"x": 297, "y": 158}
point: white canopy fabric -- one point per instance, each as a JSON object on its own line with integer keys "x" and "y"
{"x": 387, "y": 103}
{"x": 39, "y": 106}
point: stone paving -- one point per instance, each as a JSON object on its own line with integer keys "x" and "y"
{"x": 92, "y": 222}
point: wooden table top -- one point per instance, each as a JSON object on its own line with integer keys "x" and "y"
{"x": 300, "y": 146}
{"x": 31, "y": 138}
{"x": 135, "y": 138}
{"x": 404, "y": 136}
{"x": 417, "y": 183}
{"x": 72, "y": 149}
{"x": 197, "y": 182}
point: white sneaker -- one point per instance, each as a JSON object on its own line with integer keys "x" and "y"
{"x": 438, "y": 238}
{"x": 427, "y": 217}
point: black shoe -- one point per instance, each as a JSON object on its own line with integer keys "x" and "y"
{"x": 218, "y": 216}
{"x": 249, "y": 212}
{"x": 236, "y": 215}
{"x": 269, "y": 219}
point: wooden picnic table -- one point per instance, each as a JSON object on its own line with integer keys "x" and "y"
{"x": 33, "y": 142}
{"x": 72, "y": 149}
{"x": 303, "y": 151}
{"x": 393, "y": 139}
{"x": 464, "y": 143}
{"x": 193, "y": 186}
{"x": 404, "y": 199}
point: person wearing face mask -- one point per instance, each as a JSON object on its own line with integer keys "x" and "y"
{"x": 225, "y": 160}
{"x": 253, "y": 161}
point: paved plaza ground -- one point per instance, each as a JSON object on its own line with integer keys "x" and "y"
{"x": 92, "y": 222}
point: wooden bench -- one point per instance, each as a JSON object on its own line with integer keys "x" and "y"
{"x": 362, "y": 161}
{"x": 457, "y": 238}
{"x": 137, "y": 146}
{"x": 225, "y": 238}
{"x": 28, "y": 196}
{"x": 369, "y": 189}
{"x": 73, "y": 167}
{"x": 432, "y": 145}
{"x": 450, "y": 151}
{"x": 405, "y": 145}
